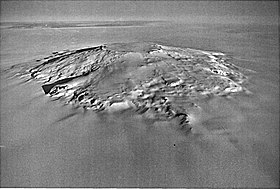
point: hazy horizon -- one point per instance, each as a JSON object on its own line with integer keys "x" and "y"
{"x": 190, "y": 11}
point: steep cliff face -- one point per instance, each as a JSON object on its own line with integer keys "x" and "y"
{"x": 157, "y": 81}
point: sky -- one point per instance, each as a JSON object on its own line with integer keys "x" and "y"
{"x": 35, "y": 10}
